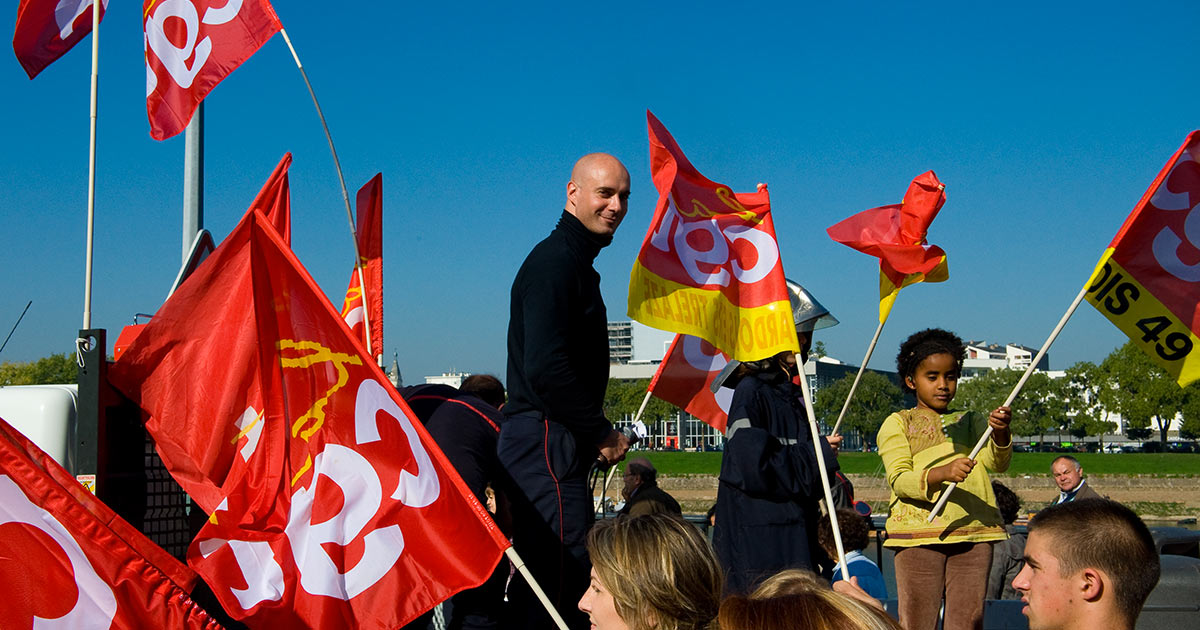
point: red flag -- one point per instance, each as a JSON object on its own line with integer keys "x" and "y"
{"x": 274, "y": 201}
{"x": 1147, "y": 282}
{"x": 68, "y": 561}
{"x": 370, "y": 249}
{"x": 47, "y": 29}
{"x": 191, "y": 45}
{"x": 329, "y": 505}
{"x": 709, "y": 265}
{"x": 685, "y": 377}
{"x": 896, "y": 235}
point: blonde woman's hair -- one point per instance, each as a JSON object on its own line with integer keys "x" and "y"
{"x": 800, "y": 599}
{"x": 661, "y": 572}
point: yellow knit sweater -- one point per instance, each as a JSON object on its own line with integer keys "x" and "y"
{"x": 913, "y": 441}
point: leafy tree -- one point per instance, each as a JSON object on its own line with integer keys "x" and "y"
{"x": 817, "y": 351}
{"x": 1083, "y": 391}
{"x": 623, "y": 398}
{"x": 1141, "y": 391}
{"x": 876, "y": 397}
{"x": 1190, "y": 428}
{"x": 1039, "y": 408}
{"x": 56, "y": 368}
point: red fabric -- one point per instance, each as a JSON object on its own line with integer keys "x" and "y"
{"x": 274, "y": 201}
{"x": 67, "y": 558}
{"x": 1162, "y": 221}
{"x": 45, "y": 30}
{"x": 330, "y": 506}
{"x": 191, "y": 46}
{"x": 685, "y": 377}
{"x": 896, "y": 234}
{"x": 370, "y": 248}
{"x": 709, "y": 265}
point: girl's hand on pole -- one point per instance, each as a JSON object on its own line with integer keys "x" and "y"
{"x": 956, "y": 471}
{"x": 835, "y": 443}
{"x": 999, "y": 420}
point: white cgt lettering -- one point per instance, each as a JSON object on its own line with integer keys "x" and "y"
{"x": 174, "y": 58}
{"x": 694, "y": 354}
{"x": 362, "y": 495}
{"x": 96, "y": 605}
{"x": 67, "y": 11}
{"x": 417, "y": 490}
{"x": 1166, "y": 242}
{"x": 263, "y": 575}
{"x": 674, "y": 231}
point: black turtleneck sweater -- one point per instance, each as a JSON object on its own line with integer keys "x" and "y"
{"x": 558, "y": 333}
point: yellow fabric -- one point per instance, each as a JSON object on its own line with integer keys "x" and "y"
{"x": 913, "y": 441}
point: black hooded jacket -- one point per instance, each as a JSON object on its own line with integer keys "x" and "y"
{"x": 558, "y": 333}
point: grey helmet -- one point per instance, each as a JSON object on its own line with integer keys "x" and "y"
{"x": 807, "y": 313}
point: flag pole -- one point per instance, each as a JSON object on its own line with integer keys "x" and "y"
{"x": 519, "y": 564}
{"x": 941, "y": 502}
{"x": 857, "y": 377}
{"x": 613, "y": 469}
{"x": 342, "y": 181}
{"x": 91, "y": 202}
{"x": 816, "y": 437}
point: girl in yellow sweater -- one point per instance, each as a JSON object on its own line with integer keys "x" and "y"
{"x": 923, "y": 450}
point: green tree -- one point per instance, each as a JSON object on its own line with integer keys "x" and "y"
{"x": 1141, "y": 391}
{"x": 1190, "y": 428}
{"x": 1038, "y": 409}
{"x": 1082, "y": 391}
{"x": 817, "y": 351}
{"x": 876, "y": 397}
{"x": 623, "y": 398}
{"x": 54, "y": 369}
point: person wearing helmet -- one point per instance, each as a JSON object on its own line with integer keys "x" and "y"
{"x": 770, "y": 485}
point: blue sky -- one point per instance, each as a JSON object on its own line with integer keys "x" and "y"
{"x": 1046, "y": 121}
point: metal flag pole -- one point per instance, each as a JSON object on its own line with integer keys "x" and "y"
{"x": 91, "y": 202}
{"x": 519, "y": 564}
{"x": 816, "y": 437}
{"x": 857, "y": 377}
{"x": 941, "y": 502}
{"x": 345, "y": 195}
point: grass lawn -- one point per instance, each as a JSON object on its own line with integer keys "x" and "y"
{"x": 671, "y": 463}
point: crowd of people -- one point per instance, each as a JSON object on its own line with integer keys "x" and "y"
{"x": 773, "y": 557}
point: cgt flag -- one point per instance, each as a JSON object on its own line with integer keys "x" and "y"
{"x": 191, "y": 46}
{"x": 896, "y": 235}
{"x": 1148, "y": 280}
{"x": 329, "y": 505}
{"x": 68, "y": 561}
{"x": 369, "y": 203}
{"x": 685, "y": 376}
{"x": 709, "y": 266}
{"x": 47, "y": 29}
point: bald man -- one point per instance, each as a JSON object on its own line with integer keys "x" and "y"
{"x": 555, "y": 427}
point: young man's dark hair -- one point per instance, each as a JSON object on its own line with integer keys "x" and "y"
{"x": 1090, "y": 564}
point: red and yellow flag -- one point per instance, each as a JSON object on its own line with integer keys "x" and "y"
{"x": 896, "y": 235}
{"x": 1148, "y": 280}
{"x": 357, "y": 311}
{"x": 710, "y": 266}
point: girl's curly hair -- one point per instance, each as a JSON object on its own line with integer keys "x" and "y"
{"x": 924, "y": 344}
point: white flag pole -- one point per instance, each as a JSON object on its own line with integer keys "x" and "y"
{"x": 816, "y": 438}
{"x": 519, "y": 564}
{"x": 91, "y": 201}
{"x": 861, "y": 369}
{"x": 345, "y": 195}
{"x": 941, "y": 502}
{"x": 613, "y": 469}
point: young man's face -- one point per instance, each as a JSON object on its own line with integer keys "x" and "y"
{"x": 1048, "y": 595}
